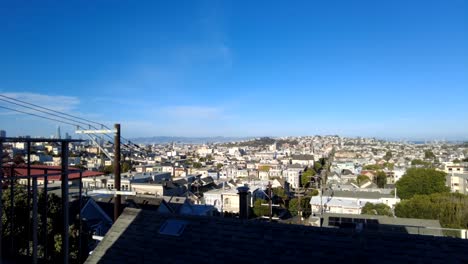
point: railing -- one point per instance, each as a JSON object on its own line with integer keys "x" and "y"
{"x": 37, "y": 229}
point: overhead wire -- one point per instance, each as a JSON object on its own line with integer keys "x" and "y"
{"x": 52, "y": 119}
{"x": 64, "y": 116}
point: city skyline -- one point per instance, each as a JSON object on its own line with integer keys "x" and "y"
{"x": 236, "y": 69}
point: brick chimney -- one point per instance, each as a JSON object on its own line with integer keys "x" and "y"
{"x": 243, "y": 193}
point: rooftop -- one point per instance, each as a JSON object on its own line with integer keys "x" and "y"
{"x": 217, "y": 240}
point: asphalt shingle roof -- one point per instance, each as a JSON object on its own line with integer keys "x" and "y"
{"x": 135, "y": 238}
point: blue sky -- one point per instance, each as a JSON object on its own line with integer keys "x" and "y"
{"x": 394, "y": 69}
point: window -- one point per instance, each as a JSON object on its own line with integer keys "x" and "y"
{"x": 226, "y": 201}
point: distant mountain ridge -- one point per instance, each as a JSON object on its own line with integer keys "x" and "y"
{"x": 189, "y": 140}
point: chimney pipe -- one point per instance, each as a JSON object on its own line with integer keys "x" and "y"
{"x": 243, "y": 193}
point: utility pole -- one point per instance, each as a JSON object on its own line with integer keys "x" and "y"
{"x": 269, "y": 203}
{"x": 117, "y": 201}
{"x": 116, "y": 132}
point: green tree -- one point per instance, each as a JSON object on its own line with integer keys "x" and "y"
{"x": 388, "y": 156}
{"x": 259, "y": 209}
{"x": 421, "y": 181}
{"x": 317, "y": 166}
{"x": 197, "y": 165}
{"x": 108, "y": 169}
{"x": 313, "y": 192}
{"x": 126, "y": 166}
{"x": 456, "y": 161}
{"x": 361, "y": 179}
{"x": 264, "y": 168}
{"x": 306, "y": 176}
{"x": 451, "y": 209}
{"x": 389, "y": 165}
{"x": 304, "y": 206}
{"x": 377, "y": 209}
{"x": 219, "y": 166}
{"x": 373, "y": 167}
{"x": 54, "y": 226}
{"x": 280, "y": 192}
{"x": 380, "y": 179}
{"x": 418, "y": 162}
{"x": 429, "y": 155}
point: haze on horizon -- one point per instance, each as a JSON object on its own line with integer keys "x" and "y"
{"x": 394, "y": 69}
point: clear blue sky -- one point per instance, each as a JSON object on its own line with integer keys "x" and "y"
{"x": 204, "y": 68}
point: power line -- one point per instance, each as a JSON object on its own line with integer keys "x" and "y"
{"x": 45, "y": 108}
{"x": 52, "y": 119}
{"x": 45, "y": 112}
{"x": 58, "y": 114}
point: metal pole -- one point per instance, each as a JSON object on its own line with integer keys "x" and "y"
{"x": 269, "y": 203}
{"x": 1, "y": 195}
{"x": 117, "y": 171}
{"x": 29, "y": 194}
{"x": 44, "y": 219}
{"x": 12, "y": 205}
{"x": 79, "y": 215}
{"x": 65, "y": 233}
{"x": 35, "y": 224}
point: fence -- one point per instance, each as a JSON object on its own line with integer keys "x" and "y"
{"x": 11, "y": 226}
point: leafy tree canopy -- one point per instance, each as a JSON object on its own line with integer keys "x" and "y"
{"x": 377, "y": 209}
{"x": 429, "y": 154}
{"x": 361, "y": 179}
{"x": 388, "y": 156}
{"x": 421, "y": 181}
{"x": 380, "y": 179}
{"x": 373, "y": 167}
{"x": 451, "y": 209}
{"x": 259, "y": 209}
{"x": 418, "y": 162}
{"x": 306, "y": 176}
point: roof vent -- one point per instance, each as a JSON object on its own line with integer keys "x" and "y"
{"x": 172, "y": 227}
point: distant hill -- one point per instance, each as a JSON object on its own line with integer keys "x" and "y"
{"x": 186, "y": 140}
{"x": 260, "y": 142}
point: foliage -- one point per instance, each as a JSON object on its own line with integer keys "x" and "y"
{"x": 388, "y": 156}
{"x": 219, "y": 166}
{"x": 380, "y": 179}
{"x": 451, "y": 209}
{"x": 362, "y": 179}
{"x": 389, "y": 165}
{"x": 313, "y": 192}
{"x": 125, "y": 167}
{"x": 306, "y": 176}
{"x": 377, "y": 209}
{"x": 317, "y": 166}
{"x": 456, "y": 161}
{"x": 373, "y": 167}
{"x": 418, "y": 162}
{"x": 304, "y": 206}
{"x": 264, "y": 168}
{"x": 421, "y": 181}
{"x": 259, "y": 209}
{"x": 197, "y": 165}
{"x": 429, "y": 155}
{"x": 279, "y": 192}
{"x": 54, "y": 225}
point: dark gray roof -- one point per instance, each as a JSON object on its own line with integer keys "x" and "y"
{"x": 302, "y": 157}
{"x": 136, "y": 238}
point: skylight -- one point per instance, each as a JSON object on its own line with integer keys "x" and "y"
{"x": 172, "y": 227}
